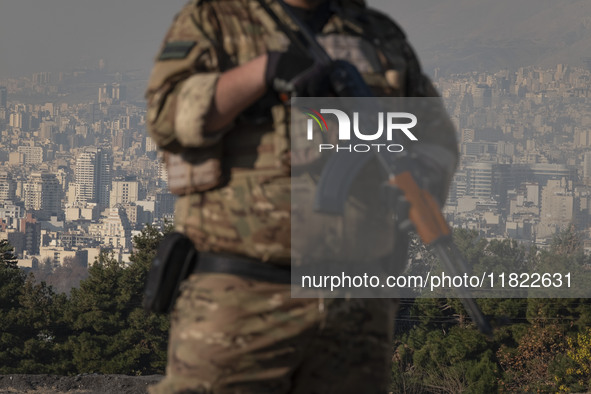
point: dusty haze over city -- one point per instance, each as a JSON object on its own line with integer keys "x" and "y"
{"x": 80, "y": 177}
{"x": 454, "y": 35}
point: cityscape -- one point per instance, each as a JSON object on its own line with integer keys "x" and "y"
{"x": 525, "y": 138}
{"x": 79, "y": 175}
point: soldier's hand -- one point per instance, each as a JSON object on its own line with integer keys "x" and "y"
{"x": 296, "y": 73}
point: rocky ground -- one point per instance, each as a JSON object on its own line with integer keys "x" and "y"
{"x": 81, "y": 384}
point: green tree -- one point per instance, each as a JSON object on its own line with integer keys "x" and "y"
{"x": 112, "y": 333}
{"x": 437, "y": 361}
{"x": 527, "y": 367}
{"x": 63, "y": 277}
{"x": 7, "y": 256}
{"x": 575, "y": 372}
{"x": 41, "y": 331}
{"x": 12, "y": 280}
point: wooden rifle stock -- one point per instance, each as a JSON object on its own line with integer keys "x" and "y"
{"x": 424, "y": 213}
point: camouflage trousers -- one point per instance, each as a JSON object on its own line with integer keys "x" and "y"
{"x": 235, "y": 335}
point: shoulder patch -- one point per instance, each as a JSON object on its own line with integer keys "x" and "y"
{"x": 176, "y": 50}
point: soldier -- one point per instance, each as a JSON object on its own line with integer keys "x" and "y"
{"x": 213, "y": 108}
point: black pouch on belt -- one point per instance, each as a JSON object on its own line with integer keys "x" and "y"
{"x": 175, "y": 260}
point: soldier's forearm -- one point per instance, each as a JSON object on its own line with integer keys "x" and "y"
{"x": 236, "y": 90}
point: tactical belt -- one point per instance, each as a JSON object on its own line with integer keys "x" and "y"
{"x": 244, "y": 267}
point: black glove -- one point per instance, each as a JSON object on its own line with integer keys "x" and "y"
{"x": 296, "y": 73}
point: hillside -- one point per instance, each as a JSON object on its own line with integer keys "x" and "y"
{"x": 87, "y": 384}
{"x": 466, "y": 35}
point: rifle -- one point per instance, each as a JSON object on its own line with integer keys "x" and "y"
{"x": 423, "y": 212}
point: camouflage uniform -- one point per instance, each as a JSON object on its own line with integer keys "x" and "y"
{"x": 230, "y": 334}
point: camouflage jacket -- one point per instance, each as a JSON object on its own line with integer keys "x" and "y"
{"x": 236, "y": 183}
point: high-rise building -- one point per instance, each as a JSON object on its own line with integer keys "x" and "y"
{"x": 557, "y": 203}
{"x": 164, "y": 205}
{"x": 16, "y": 120}
{"x": 3, "y": 97}
{"x": 47, "y": 129}
{"x": 41, "y": 78}
{"x": 458, "y": 187}
{"x": 7, "y": 187}
{"x": 533, "y": 193}
{"x": 28, "y": 238}
{"x": 32, "y": 154}
{"x": 481, "y": 96}
{"x": 162, "y": 174}
{"x": 115, "y": 229}
{"x": 467, "y": 135}
{"x": 479, "y": 180}
{"x": 110, "y": 93}
{"x": 135, "y": 213}
{"x": 123, "y": 192}
{"x": 587, "y": 165}
{"x": 150, "y": 145}
{"x": 94, "y": 112}
{"x": 42, "y": 193}
{"x": 93, "y": 176}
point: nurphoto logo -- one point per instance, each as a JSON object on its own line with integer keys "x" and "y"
{"x": 389, "y": 122}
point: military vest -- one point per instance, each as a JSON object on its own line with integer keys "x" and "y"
{"x": 237, "y": 191}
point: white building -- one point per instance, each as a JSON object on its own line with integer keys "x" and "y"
{"x": 7, "y": 187}
{"x": 115, "y": 230}
{"x": 557, "y": 203}
{"x": 93, "y": 176}
{"x": 43, "y": 193}
{"x": 123, "y": 192}
{"x": 31, "y": 154}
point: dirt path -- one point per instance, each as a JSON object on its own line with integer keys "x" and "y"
{"x": 81, "y": 384}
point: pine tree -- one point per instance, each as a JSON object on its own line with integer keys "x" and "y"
{"x": 12, "y": 280}
{"x": 112, "y": 333}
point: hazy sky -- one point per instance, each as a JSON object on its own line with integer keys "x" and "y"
{"x": 36, "y": 35}
{"x": 40, "y": 35}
